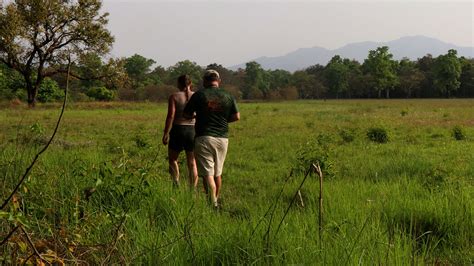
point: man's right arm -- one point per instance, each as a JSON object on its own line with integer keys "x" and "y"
{"x": 234, "y": 117}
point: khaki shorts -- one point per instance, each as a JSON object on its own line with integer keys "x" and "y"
{"x": 210, "y": 155}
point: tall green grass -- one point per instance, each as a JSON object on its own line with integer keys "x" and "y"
{"x": 102, "y": 194}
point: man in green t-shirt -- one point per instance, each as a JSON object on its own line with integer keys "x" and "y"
{"x": 214, "y": 109}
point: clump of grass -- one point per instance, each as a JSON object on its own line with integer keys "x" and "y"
{"x": 141, "y": 142}
{"x": 378, "y": 134}
{"x": 403, "y": 112}
{"x": 347, "y": 135}
{"x": 458, "y": 133}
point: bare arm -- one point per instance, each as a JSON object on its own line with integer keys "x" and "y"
{"x": 169, "y": 119}
{"x": 234, "y": 117}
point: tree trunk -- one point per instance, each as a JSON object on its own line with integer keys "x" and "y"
{"x": 32, "y": 92}
{"x": 387, "y": 94}
{"x": 380, "y": 93}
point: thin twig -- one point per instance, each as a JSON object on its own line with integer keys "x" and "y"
{"x": 32, "y": 245}
{"x": 27, "y": 259}
{"x": 272, "y": 207}
{"x": 294, "y": 198}
{"x": 9, "y": 235}
{"x": 45, "y": 147}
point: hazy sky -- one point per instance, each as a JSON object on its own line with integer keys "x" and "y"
{"x": 233, "y": 32}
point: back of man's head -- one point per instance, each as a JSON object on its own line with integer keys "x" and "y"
{"x": 210, "y": 76}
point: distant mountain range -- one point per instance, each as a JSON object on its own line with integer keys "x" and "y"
{"x": 412, "y": 47}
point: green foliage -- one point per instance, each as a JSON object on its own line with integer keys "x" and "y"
{"x": 382, "y": 69}
{"x": 185, "y": 67}
{"x": 447, "y": 73}
{"x": 35, "y": 35}
{"x": 315, "y": 151}
{"x": 337, "y": 76}
{"x": 256, "y": 81}
{"x": 410, "y": 77}
{"x": 137, "y": 68}
{"x": 49, "y": 91}
{"x": 347, "y": 134}
{"x": 458, "y": 133}
{"x": 100, "y": 94}
{"x": 415, "y": 199}
{"x": 378, "y": 134}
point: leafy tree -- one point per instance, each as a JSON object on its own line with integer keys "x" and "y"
{"x": 90, "y": 66}
{"x": 447, "y": 73}
{"x": 137, "y": 68}
{"x": 467, "y": 77}
{"x": 410, "y": 76}
{"x": 337, "y": 76}
{"x": 38, "y": 37}
{"x": 185, "y": 67}
{"x": 354, "y": 77}
{"x": 49, "y": 91}
{"x": 308, "y": 86}
{"x": 382, "y": 69}
{"x": 158, "y": 75}
{"x": 279, "y": 79}
{"x": 256, "y": 81}
{"x": 425, "y": 65}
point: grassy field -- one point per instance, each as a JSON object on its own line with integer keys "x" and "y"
{"x": 101, "y": 193}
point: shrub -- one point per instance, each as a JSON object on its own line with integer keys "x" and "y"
{"x": 347, "y": 135}
{"x": 314, "y": 151}
{"x": 100, "y": 94}
{"x": 378, "y": 134}
{"x": 49, "y": 91}
{"x": 458, "y": 133}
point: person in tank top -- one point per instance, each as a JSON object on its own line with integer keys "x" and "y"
{"x": 179, "y": 132}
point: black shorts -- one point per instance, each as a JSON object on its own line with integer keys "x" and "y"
{"x": 182, "y": 138}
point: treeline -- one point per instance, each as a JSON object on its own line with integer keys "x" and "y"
{"x": 136, "y": 79}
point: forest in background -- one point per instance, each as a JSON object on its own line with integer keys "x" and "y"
{"x": 137, "y": 78}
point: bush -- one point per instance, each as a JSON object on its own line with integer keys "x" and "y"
{"x": 378, "y": 134}
{"x": 100, "y": 94}
{"x": 317, "y": 151}
{"x": 458, "y": 133}
{"x": 49, "y": 91}
{"x": 347, "y": 135}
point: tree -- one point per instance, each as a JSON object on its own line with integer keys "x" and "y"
{"x": 447, "y": 73}
{"x": 410, "y": 76}
{"x": 185, "y": 67}
{"x": 137, "y": 68}
{"x": 467, "y": 77}
{"x": 425, "y": 65}
{"x": 38, "y": 38}
{"x": 256, "y": 81}
{"x": 382, "y": 69}
{"x": 308, "y": 86}
{"x": 337, "y": 76}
